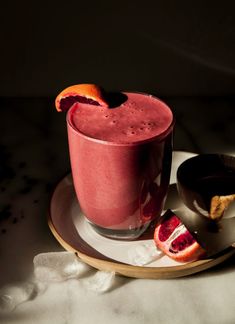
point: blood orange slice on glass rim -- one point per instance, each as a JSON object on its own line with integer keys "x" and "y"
{"x": 84, "y": 93}
{"x": 173, "y": 238}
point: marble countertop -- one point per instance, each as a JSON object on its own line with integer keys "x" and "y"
{"x": 34, "y": 157}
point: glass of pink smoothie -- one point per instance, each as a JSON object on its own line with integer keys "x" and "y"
{"x": 121, "y": 161}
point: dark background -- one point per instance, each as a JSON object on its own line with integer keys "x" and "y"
{"x": 169, "y": 48}
{"x": 181, "y": 51}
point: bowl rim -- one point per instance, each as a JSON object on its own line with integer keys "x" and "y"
{"x": 195, "y": 163}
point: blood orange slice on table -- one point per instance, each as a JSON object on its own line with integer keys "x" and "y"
{"x": 83, "y": 93}
{"x": 173, "y": 238}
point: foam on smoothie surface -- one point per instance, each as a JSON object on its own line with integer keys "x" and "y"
{"x": 139, "y": 118}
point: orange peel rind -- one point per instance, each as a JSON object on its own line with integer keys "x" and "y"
{"x": 85, "y": 93}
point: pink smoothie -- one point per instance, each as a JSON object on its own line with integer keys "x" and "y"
{"x": 121, "y": 160}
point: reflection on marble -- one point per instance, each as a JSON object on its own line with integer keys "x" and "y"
{"x": 33, "y": 158}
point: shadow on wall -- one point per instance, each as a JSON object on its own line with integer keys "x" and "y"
{"x": 160, "y": 47}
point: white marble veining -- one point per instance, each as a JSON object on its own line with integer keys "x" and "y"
{"x": 34, "y": 157}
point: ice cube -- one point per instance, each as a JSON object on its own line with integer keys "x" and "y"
{"x": 6, "y": 302}
{"x": 58, "y": 266}
{"x": 143, "y": 254}
{"x": 11, "y": 296}
{"x": 101, "y": 282}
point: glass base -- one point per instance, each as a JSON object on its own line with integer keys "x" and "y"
{"x": 128, "y": 234}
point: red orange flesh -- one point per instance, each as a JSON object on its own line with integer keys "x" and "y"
{"x": 182, "y": 248}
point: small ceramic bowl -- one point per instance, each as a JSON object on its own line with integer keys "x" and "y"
{"x": 203, "y": 177}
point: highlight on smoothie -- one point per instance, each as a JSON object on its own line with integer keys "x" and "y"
{"x": 120, "y": 147}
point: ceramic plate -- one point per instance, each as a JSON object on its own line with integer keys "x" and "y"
{"x": 74, "y": 233}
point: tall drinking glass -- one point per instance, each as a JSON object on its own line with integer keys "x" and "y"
{"x": 121, "y": 162}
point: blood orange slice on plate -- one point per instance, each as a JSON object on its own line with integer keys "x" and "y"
{"x": 83, "y": 93}
{"x": 173, "y": 238}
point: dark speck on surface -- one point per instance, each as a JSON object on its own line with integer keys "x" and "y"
{"x": 15, "y": 220}
{"x": 6, "y": 172}
{"x": 29, "y": 184}
{"x": 5, "y": 212}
